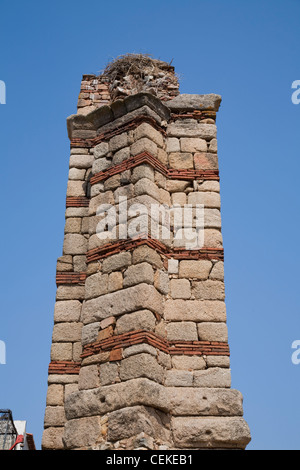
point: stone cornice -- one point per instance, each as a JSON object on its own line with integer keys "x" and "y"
{"x": 107, "y": 114}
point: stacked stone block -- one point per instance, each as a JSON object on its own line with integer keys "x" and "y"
{"x": 140, "y": 355}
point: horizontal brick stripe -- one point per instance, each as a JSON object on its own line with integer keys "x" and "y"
{"x": 70, "y": 278}
{"x": 64, "y": 367}
{"x": 90, "y": 143}
{"x": 80, "y": 201}
{"x": 146, "y": 157}
{"x": 176, "y": 253}
{"x": 196, "y": 114}
{"x": 194, "y": 348}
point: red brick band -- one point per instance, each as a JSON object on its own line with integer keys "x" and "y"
{"x": 64, "y": 367}
{"x": 90, "y": 143}
{"x": 196, "y": 114}
{"x": 80, "y": 201}
{"x": 176, "y": 253}
{"x": 191, "y": 348}
{"x": 70, "y": 278}
{"x": 146, "y": 157}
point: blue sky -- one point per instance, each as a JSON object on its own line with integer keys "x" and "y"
{"x": 246, "y": 51}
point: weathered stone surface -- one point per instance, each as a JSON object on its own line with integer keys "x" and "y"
{"x": 217, "y": 271}
{"x": 67, "y": 311}
{"x": 174, "y": 186}
{"x": 109, "y": 373}
{"x": 90, "y": 333}
{"x": 138, "y": 273}
{"x": 116, "y": 262}
{"x": 179, "y": 378}
{"x": 179, "y": 198}
{"x": 172, "y": 145}
{"x": 212, "y": 218}
{"x": 75, "y": 244}
{"x": 141, "y": 320}
{"x": 191, "y": 128}
{"x": 173, "y": 266}
{"x": 205, "y": 161}
{"x": 208, "y": 331}
{"x": 101, "y": 164}
{"x": 52, "y": 438}
{"x": 209, "y": 199}
{"x": 115, "y": 281}
{"x": 193, "y": 144}
{"x": 183, "y": 331}
{"x": 64, "y": 332}
{"x": 82, "y": 432}
{"x": 146, "y": 130}
{"x": 213, "y": 377}
{"x": 138, "y": 349}
{"x": 148, "y": 255}
{"x": 140, "y": 297}
{"x": 76, "y": 174}
{"x": 205, "y": 402}
{"x": 142, "y": 171}
{"x": 195, "y": 310}
{"x": 213, "y": 238}
{"x": 146, "y": 186}
{"x": 101, "y": 150}
{"x": 55, "y": 395}
{"x": 121, "y": 155}
{"x": 190, "y": 102}
{"x": 209, "y": 290}
{"x": 95, "y": 285}
{"x": 64, "y": 263}
{"x": 181, "y": 161}
{"x": 70, "y": 293}
{"x": 61, "y": 351}
{"x": 161, "y": 281}
{"x": 188, "y": 362}
{"x": 76, "y": 188}
{"x": 218, "y": 361}
{"x": 211, "y": 432}
{"x": 112, "y": 183}
{"x": 88, "y": 377}
{"x": 54, "y": 416}
{"x": 195, "y": 269}
{"x": 79, "y": 263}
{"x": 77, "y": 212}
{"x": 73, "y": 225}
{"x": 144, "y": 145}
{"x": 128, "y": 422}
{"x": 141, "y": 365}
{"x": 180, "y": 289}
{"x": 81, "y": 161}
{"x": 101, "y": 202}
{"x": 141, "y": 391}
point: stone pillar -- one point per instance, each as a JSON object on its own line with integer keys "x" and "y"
{"x": 140, "y": 355}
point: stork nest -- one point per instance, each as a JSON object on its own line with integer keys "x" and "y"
{"x": 137, "y": 65}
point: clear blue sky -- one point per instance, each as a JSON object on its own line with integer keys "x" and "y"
{"x": 246, "y": 51}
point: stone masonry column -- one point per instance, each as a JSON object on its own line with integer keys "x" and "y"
{"x": 140, "y": 354}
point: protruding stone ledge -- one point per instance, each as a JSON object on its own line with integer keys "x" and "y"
{"x": 187, "y": 102}
{"x": 105, "y": 114}
{"x": 210, "y": 432}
